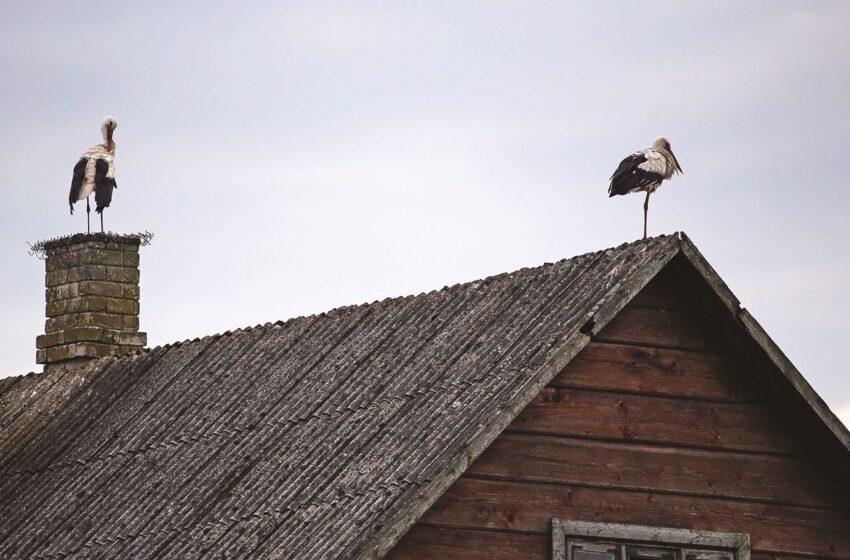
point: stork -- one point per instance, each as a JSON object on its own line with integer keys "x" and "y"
{"x": 96, "y": 172}
{"x": 645, "y": 170}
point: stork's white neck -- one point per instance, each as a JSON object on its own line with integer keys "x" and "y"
{"x": 106, "y": 132}
{"x": 109, "y": 143}
{"x": 671, "y": 163}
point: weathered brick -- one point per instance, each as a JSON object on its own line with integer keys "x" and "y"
{"x": 48, "y": 340}
{"x": 81, "y": 334}
{"x": 93, "y": 350}
{"x": 88, "y": 256}
{"x": 64, "y": 260}
{"x": 79, "y": 305}
{"x": 102, "y": 288}
{"x": 115, "y": 258}
{"x": 56, "y": 277}
{"x": 130, "y": 322}
{"x": 87, "y": 272}
{"x": 131, "y": 338}
{"x": 100, "y": 257}
{"x": 75, "y": 274}
{"x": 122, "y": 306}
{"x": 130, "y": 291}
{"x": 131, "y": 258}
{"x": 62, "y": 291}
{"x": 57, "y": 353}
{"x": 82, "y": 350}
{"x": 122, "y": 274}
{"x": 88, "y": 319}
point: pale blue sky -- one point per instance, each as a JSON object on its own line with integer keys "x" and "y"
{"x": 293, "y": 157}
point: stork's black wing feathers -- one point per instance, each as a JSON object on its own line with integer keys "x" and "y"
{"x": 630, "y": 178}
{"x": 103, "y": 185}
{"x": 77, "y": 182}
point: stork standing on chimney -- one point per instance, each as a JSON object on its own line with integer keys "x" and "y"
{"x": 645, "y": 170}
{"x": 96, "y": 172}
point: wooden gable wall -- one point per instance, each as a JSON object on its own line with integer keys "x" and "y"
{"x": 655, "y": 422}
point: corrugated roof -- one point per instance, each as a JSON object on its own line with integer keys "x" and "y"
{"x": 313, "y": 438}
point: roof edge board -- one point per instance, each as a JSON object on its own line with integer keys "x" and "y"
{"x": 767, "y": 345}
{"x": 392, "y": 533}
{"x": 622, "y": 293}
{"x": 794, "y": 377}
{"x": 709, "y": 274}
{"x": 617, "y": 297}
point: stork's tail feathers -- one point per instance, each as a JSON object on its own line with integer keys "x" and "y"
{"x": 72, "y": 208}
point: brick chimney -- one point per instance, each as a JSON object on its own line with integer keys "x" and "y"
{"x": 92, "y": 297}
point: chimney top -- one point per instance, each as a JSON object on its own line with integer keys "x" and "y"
{"x": 92, "y": 297}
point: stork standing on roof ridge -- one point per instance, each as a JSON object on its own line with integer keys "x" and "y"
{"x": 95, "y": 171}
{"x": 645, "y": 170}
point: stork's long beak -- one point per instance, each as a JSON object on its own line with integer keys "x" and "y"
{"x": 676, "y": 161}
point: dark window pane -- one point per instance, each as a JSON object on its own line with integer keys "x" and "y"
{"x": 651, "y": 553}
{"x": 708, "y": 555}
{"x": 583, "y": 550}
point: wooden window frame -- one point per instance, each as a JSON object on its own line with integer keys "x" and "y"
{"x": 737, "y": 543}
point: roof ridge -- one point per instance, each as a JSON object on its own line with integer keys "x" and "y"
{"x": 392, "y": 299}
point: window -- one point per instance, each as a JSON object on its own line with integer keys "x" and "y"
{"x": 582, "y": 540}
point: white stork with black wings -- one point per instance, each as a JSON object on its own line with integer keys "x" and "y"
{"x": 645, "y": 170}
{"x": 95, "y": 171}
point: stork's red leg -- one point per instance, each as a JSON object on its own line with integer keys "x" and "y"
{"x": 88, "y": 216}
{"x": 101, "y": 221}
{"x": 645, "y": 212}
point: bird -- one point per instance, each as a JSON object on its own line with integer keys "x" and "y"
{"x": 645, "y": 170}
{"x": 95, "y": 171}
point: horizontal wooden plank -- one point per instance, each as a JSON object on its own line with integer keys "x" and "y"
{"x": 429, "y": 542}
{"x": 661, "y": 293}
{"x": 773, "y": 556}
{"x": 503, "y": 505}
{"x": 652, "y": 370}
{"x": 633, "y": 417}
{"x": 789, "y": 480}
{"x": 426, "y": 542}
{"x": 666, "y": 328}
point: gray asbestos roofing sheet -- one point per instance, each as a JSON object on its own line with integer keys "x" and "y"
{"x": 299, "y": 439}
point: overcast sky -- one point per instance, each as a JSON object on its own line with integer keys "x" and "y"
{"x": 293, "y": 157}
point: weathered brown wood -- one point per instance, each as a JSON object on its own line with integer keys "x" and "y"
{"x": 577, "y": 412}
{"x": 426, "y": 542}
{"x": 667, "y": 328}
{"x": 661, "y": 293}
{"x": 429, "y": 542}
{"x": 655, "y": 422}
{"x": 788, "y": 480}
{"x": 721, "y": 312}
{"x": 651, "y": 370}
{"x": 504, "y": 505}
{"x": 773, "y": 556}
{"x": 801, "y": 386}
